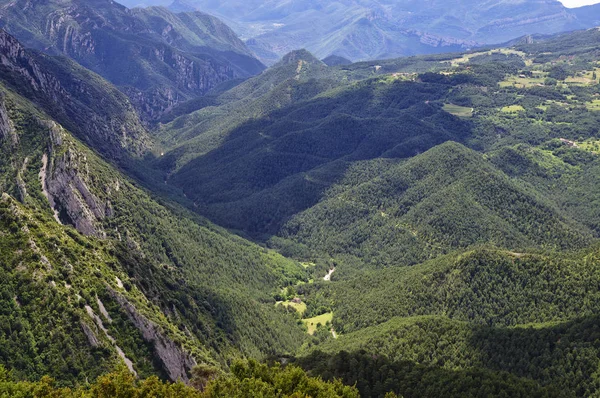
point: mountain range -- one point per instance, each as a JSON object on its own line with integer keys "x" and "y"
{"x": 376, "y": 29}
{"x": 177, "y": 220}
{"x": 107, "y": 260}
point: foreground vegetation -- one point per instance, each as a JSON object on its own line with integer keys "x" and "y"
{"x": 247, "y": 379}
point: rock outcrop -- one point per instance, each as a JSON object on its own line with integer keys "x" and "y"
{"x": 7, "y": 130}
{"x": 95, "y": 111}
{"x": 128, "y": 362}
{"x": 63, "y": 178}
{"x": 176, "y": 361}
{"x": 91, "y": 336}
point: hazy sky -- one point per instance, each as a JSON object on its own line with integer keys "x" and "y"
{"x": 578, "y": 3}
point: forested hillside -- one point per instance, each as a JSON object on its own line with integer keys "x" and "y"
{"x": 96, "y": 271}
{"x": 451, "y": 196}
{"x": 444, "y": 199}
{"x": 417, "y": 227}
{"x": 278, "y": 165}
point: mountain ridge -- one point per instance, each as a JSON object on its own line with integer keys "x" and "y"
{"x": 156, "y": 57}
{"x": 366, "y": 30}
{"x": 120, "y": 277}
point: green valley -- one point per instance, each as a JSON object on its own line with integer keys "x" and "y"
{"x": 414, "y": 227}
{"x": 451, "y": 190}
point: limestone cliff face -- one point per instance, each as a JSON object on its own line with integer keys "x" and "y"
{"x": 92, "y": 109}
{"x": 65, "y": 183}
{"x": 14, "y": 58}
{"x": 7, "y": 130}
{"x": 190, "y": 76}
{"x": 156, "y": 57}
{"x": 176, "y": 362}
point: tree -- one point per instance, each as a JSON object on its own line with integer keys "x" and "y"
{"x": 202, "y": 375}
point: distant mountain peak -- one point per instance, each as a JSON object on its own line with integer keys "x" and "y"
{"x": 299, "y": 55}
{"x": 181, "y": 6}
{"x": 336, "y": 60}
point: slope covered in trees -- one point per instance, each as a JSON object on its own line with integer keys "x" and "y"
{"x": 280, "y": 164}
{"x": 482, "y": 286}
{"x": 451, "y": 201}
{"x": 248, "y": 379}
{"x": 560, "y": 358}
{"x": 482, "y": 322}
{"x": 389, "y": 213}
{"x": 95, "y": 271}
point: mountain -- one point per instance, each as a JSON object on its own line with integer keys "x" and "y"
{"x": 154, "y": 56}
{"x": 423, "y": 226}
{"x": 96, "y": 271}
{"x": 483, "y": 286}
{"x": 445, "y": 209}
{"x": 589, "y": 14}
{"x": 274, "y": 166}
{"x": 443, "y": 199}
{"x": 288, "y": 82}
{"x": 334, "y": 60}
{"x": 415, "y": 358}
{"x": 71, "y": 94}
{"x": 368, "y": 29}
{"x": 481, "y": 312}
{"x": 241, "y": 154}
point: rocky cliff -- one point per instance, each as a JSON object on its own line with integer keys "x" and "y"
{"x": 175, "y": 360}
{"x": 91, "y": 108}
{"x": 73, "y": 229}
{"x": 63, "y": 177}
{"x": 156, "y": 57}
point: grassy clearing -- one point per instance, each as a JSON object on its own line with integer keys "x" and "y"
{"x": 401, "y": 76}
{"x": 311, "y": 323}
{"x": 593, "y": 106}
{"x": 459, "y": 111}
{"x": 547, "y": 104}
{"x": 584, "y": 78}
{"x": 591, "y": 146}
{"x": 513, "y": 109}
{"x": 506, "y": 51}
{"x": 299, "y": 307}
{"x": 522, "y": 82}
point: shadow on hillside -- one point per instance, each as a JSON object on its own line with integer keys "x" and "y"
{"x": 564, "y": 354}
{"x": 375, "y": 375}
{"x": 271, "y": 168}
{"x": 551, "y": 360}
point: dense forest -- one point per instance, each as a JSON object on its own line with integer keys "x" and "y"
{"x": 419, "y": 227}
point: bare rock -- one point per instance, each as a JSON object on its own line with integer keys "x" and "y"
{"x": 70, "y": 197}
{"x": 176, "y": 361}
{"x": 7, "y": 130}
{"x": 91, "y": 336}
